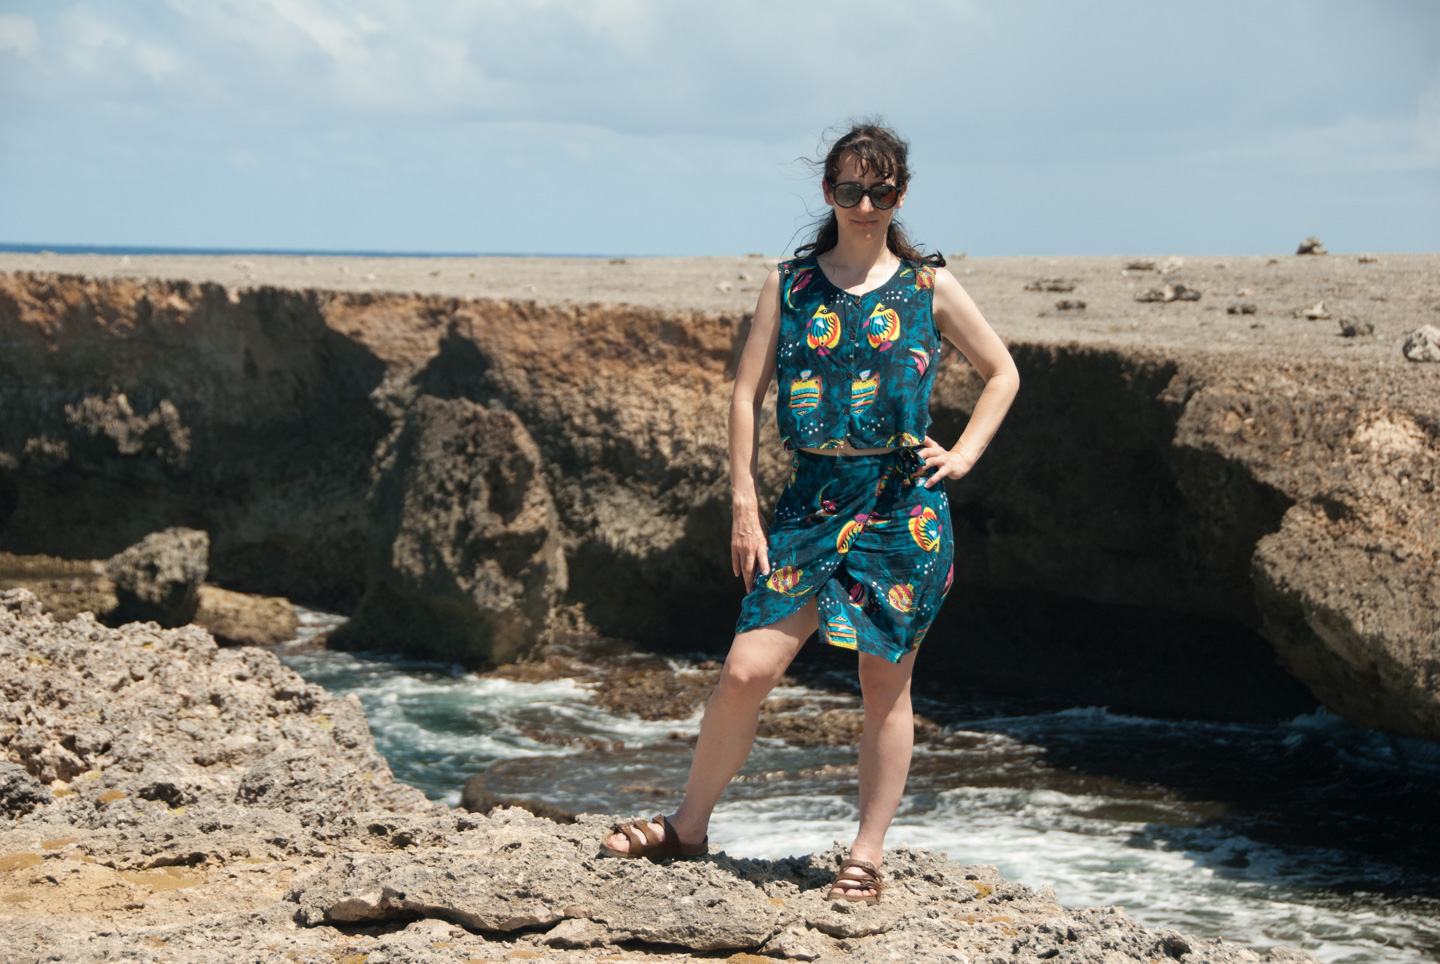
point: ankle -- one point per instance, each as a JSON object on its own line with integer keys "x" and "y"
{"x": 691, "y": 830}
{"x": 871, "y": 855}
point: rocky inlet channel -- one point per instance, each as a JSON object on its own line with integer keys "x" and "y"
{"x": 169, "y": 800}
{"x": 1216, "y": 502}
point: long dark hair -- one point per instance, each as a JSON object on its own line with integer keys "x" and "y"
{"x": 879, "y": 150}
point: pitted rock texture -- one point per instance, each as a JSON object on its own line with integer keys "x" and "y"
{"x": 105, "y": 716}
{"x": 158, "y": 579}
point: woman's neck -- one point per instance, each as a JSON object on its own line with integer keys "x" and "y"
{"x": 854, "y": 260}
{"x": 858, "y": 255}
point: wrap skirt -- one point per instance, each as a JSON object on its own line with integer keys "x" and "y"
{"x": 864, "y": 536}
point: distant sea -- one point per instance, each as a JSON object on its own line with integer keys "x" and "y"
{"x": 111, "y": 249}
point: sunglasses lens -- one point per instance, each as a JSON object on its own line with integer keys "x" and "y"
{"x": 884, "y": 196}
{"x": 848, "y": 194}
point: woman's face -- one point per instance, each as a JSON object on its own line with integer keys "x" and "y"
{"x": 864, "y": 220}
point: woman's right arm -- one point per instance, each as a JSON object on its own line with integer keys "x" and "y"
{"x": 752, "y": 378}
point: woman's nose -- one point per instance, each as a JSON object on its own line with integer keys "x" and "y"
{"x": 865, "y": 204}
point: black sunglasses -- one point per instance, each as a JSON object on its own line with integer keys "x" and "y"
{"x": 847, "y": 194}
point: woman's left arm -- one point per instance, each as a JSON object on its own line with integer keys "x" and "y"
{"x": 959, "y": 320}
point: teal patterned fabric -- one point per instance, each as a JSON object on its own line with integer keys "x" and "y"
{"x": 855, "y": 368}
{"x": 868, "y": 540}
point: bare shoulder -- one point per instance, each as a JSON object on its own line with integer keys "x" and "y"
{"x": 945, "y": 280}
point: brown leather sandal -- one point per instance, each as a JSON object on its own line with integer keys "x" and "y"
{"x": 857, "y": 875}
{"x": 645, "y": 842}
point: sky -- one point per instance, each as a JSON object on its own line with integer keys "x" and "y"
{"x": 663, "y": 127}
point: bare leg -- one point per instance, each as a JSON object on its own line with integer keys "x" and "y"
{"x": 885, "y": 749}
{"x": 756, "y": 662}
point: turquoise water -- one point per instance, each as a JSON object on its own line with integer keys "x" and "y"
{"x": 1312, "y": 833}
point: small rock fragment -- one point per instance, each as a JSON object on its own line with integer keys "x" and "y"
{"x": 1050, "y": 284}
{"x": 1315, "y": 312}
{"x": 1423, "y": 344}
{"x": 1311, "y": 245}
{"x": 1368, "y": 259}
{"x": 1243, "y": 308}
{"x": 1350, "y": 326}
{"x": 796, "y": 943}
{"x": 576, "y": 932}
{"x": 1168, "y": 293}
{"x": 1172, "y": 265}
{"x": 1141, "y": 264}
{"x": 1067, "y": 304}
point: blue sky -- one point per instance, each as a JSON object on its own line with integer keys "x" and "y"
{"x": 666, "y": 127}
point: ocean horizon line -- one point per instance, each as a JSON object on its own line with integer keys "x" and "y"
{"x": 142, "y": 250}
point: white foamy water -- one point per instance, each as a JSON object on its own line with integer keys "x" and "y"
{"x": 1014, "y": 791}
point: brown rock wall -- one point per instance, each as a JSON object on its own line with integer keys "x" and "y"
{"x": 1186, "y": 477}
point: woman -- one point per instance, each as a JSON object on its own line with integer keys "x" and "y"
{"x": 860, "y": 547}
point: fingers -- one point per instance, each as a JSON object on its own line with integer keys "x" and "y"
{"x": 750, "y": 561}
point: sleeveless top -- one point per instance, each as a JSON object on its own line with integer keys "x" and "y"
{"x": 855, "y": 368}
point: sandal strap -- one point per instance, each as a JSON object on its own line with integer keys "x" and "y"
{"x": 866, "y": 867}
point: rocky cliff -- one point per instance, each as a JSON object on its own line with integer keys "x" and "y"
{"x": 1185, "y": 499}
{"x": 166, "y": 800}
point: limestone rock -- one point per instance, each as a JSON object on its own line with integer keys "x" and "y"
{"x": 1242, "y": 308}
{"x": 243, "y": 619}
{"x": 1353, "y": 327}
{"x": 1168, "y": 293}
{"x": 466, "y": 559}
{"x": 216, "y": 801}
{"x": 1070, "y": 304}
{"x": 1050, "y": 284}
{"x": 1311, "y": 245}
{"x": 19, "y": 791}
{"x": 159, "y": 577}
{"x": 1423, "y": 344}
{"x": 121, "y": 718}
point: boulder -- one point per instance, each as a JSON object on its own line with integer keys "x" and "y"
{"x": 243, "y": 619}
{"x": 158, "y": 579}
{"x": 1423, "y": 344}
{"x": 1311, "y": 245}
{"x": 465, "y": 560}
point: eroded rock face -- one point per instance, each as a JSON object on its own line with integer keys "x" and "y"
{"x": 1112, "y": 542}
{"x": 466, "y": 559}
{"x": 159, "y": 577}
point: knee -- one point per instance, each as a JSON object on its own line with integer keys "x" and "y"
{"x": 883, "y": 689}
{"x": 745, "y": 681}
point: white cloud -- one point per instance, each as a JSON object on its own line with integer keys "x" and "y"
{"x": 18, "y": 33}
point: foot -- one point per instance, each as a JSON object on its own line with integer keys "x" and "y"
{"x": 656, "y": 833}
{"x": 856, "y": 880}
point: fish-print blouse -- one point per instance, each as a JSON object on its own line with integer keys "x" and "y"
{"x": 855, "y": 368}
